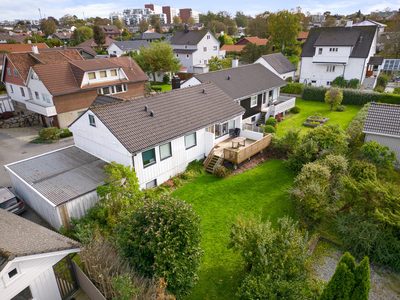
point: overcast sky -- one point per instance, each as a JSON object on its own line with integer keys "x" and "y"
{"x": 24, "y": 9}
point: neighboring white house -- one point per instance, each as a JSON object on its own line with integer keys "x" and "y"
{"x": 34, "y": 260}
{"x": 278, "y": 64}
{"x": 58, "y": 185}
{"x": 194, "y": 48}
{"x": 330, "y": 52}
{"x": 161, "y": 134}
{"x": 366, "y": 22}
{"x": 119, "y": 48}
{"x": 254, "y": 87}
{"x": 383, "y": 125}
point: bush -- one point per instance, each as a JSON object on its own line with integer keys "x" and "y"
{"x": 362, "y": 170}
{"x": 295, "y": 110}
{"x": 156, "y": 88}
{"x": 389, "y": 98}
{"x": 6, "y": 115}
{"x": 272, "y": 122}
{"x": 49, "y": 134}
{"x": 350, "y": 96}
{"x": 269, "y": 129}
{"x": 379, "y": 154}
{"x": 337, "y": 164}
{"x": 382, "y": 80}
{"x": 341, "y": 108}
{"x": 396, "y": 90}
{"x": 289, "y": 142}
{"x": 330, "y": 137}
{"x": 339, "y": 82}
{"x": 333, "y": 97}
{"x": 220, "y": 171}
{"x": 356, "y": 125}
{"x": 65, "y": 133}
{"x": 353, "y": 83}
{"x": 292, "y": 88}
{"x": 289, "y": 79}
{"x": 312, "y": 93}
{"x": 166, "y": 245}
{"x": 378, "y": 89}
{"x": 279, "y": 117}
{"x": 166, "y": 79}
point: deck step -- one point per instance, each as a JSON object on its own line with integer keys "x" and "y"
{"x": 211, "y": 164}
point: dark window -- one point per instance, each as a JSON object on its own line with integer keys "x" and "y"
{"x": 92, "y": 121}
{"x": 118, "y": 88}
{"x": 106, "y": 90}
{"x": 37, "y": 95}
{"x": 149, "y": 157}
{"x": 22, "y": 92}
{"x": 8, "y": 71}
{"x": 24, "y": 295}
{"x": 320, "y": 51}
{"x": 12, "y": 273}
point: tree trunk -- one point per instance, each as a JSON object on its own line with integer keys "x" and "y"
{"x": 154, "y": 78}
{"x": 344, "y": 207}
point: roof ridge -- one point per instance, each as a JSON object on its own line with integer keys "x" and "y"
{"x": 242, "y": 66}
{"x": 386, "y": 104}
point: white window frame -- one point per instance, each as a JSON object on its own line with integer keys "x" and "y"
{"x": 205, "y": 49}
{"x": 170, "y": 151}
{"x": 37, "y": 96}
{"x": 92, "y": 121}
{"x": 253, "y": 98}
{"x": 319, "y": 51}
{"x": 116, "y": 72}
{"x": 195, "y": 141}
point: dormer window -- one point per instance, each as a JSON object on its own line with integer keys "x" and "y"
{"x": 92, "y": 75}
{"x": 12, "y": 273}
{"x": 319, "y": 50}
{"x": 113, "y": 72}
{"x": 103, "y": 74}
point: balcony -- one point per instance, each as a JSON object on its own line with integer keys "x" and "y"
{"x": 334, "y": 59}
{"x": 47, "y": 111}
{"x": 282, "y": 104}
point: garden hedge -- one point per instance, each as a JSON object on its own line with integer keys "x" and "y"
{"x": 292, "y": 88}
{"x": 389, "y": 98}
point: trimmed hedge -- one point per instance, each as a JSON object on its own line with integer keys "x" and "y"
{"x": 292, "y": 88}
{"x": 389, "y": 98}
{"x": 350, "y": 96}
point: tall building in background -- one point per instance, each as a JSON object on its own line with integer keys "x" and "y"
{"x": 186, "y": 13}
{"x": 170, "y": 13}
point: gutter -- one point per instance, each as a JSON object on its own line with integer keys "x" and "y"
{"x": 382, "y": 134}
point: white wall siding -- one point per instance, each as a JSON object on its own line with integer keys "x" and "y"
{"x": 356, "y": 68}
{"x": 114, "y": 50}
{"x": 45, "y": 286}
{"x": 78, "y": 207}
{"x": 36, "y": 85}
{"x": 15, "y": 92}
{"x": 190, "y": 82}
{"x": 391, "y": 142}
{"x": 37, "y": 202}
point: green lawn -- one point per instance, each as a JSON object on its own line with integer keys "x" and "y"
{"x": 218, "y": 201}
{"x": 165, "y": 87}
{"x": 309, "y": 108}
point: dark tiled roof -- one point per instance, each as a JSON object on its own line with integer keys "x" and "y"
{"x": 20, "y": 237}
{"x": 244, "y": 80}
{"x": 383, "y": 118}
{"x": 176, "y": 113}
{"x": 62, "y": 175}
{"x": 100, "y": 100}
{"x": 131, "y": 45}
{"x": 279, "y": 62}
{"x": 375, "y": 60}
{"x": 341, "y": 36}
{"x": 191, "y": 37}
{"x": 147, "y": 36}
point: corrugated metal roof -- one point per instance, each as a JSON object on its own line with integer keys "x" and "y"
{"x": 62, "y": 175}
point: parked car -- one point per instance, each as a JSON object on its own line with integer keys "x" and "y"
{"x": 11, "y": 202}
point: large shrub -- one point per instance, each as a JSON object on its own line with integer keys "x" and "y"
{"x": 362, "y": 170}
{"x": 273, "y": 122}
{"x": 382, "y": 80}
{"x": 295, "y": 110}
{"x": 350, "y": 96}
{"x": 48, "y": 134}
{"x": 333, "y": 97}
{"x": 339, "y": 82}
{"x": 269, "y": 129}
{"x": 389, "y": 98}
{"x": 292, "y": 88}
{"x": 330, "y": 137}
{"x": 379, "y": 154}
{"x": 161, "y": 238}
{"x": 220, "y": 171}
{"x": 289, "y": 142}
{"x": 354, "y": 130}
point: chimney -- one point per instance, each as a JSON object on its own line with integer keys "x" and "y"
{"x": 235, "y": 62}
{"x": 35, "y": 49}
{"x": 64, "y": 47}
{"x": 29, "y": 42}
{"x": 176, "y": 82}
{"x": 186, "y": 30}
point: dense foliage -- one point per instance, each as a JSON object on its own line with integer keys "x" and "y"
{"x": 292, "y": 88}
{"x": 378, "y": 154}
{"x": 162, "y": 238}
{"x": 333, "y": 97}
{"x": 48, "y": 134}
{"x": 354, "y": 130}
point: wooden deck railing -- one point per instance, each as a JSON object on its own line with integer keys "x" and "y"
{"x": 236, "y": 156}
{"x": 208, "y": 158}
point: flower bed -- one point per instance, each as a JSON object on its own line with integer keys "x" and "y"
{"x": 315, "y": 121}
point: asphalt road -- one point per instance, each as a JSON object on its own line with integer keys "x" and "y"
{"x": 12, "y": 150}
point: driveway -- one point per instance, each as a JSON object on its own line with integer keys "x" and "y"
{"x": 14, "y": 146}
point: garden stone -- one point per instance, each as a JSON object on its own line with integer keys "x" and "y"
{"x": 36, "y": 122}
{"x": 14, "y": 125}
{"x": 5, "y": 126}
{"x": 22, "y": 124}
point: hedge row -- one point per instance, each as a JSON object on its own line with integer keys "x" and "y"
{"x": 389, "y": 98}
{"x": 350, "y": 96}
{"x": 292, "y": 88}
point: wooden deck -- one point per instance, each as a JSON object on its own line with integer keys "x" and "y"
{"x": 227, "y": 144}
{"x": 79, "y": 295}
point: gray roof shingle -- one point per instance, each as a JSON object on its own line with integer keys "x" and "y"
{"x": 383, "y": 118}
{"x": 147, "y": 36}
{"x": 279, "y": 62}
{"x": 341, "y": 36}
{"x": 191, "y": 37}
{"x": 243, "y": 81}
{"x": 62, "y": 175}
{"x": 20, "y": 237}
{"x": 131, "y": 45}
{"x": 176, "y": 113}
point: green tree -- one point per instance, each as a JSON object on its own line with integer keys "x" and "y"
{"x": 35, "y": 38}
{"x": 54, "y": 20}
{"x": 167, "y": 244}
{"x": 157, "y": 58}
{"x": 219, "y": 26}
{"x": 11, "y": 41}
{"x": 82, "y": 34}
{"x": 53, "y": 42}
{"x": 284, "y": 27}
{"x": 126, "y": 33}
{"x": 218, "y": 64}
{"x": 251, "y": 52}
{"x": 176, "y": 20}
{"x": 333, "y": 97}
{"x": 378, "y": 154}
{"x": 362, "y": 281}
{"x": 118, "y": 23}
{"x": 391, "y": 47}
{"x": 144, "y": 25}
{"x": 99, "y": 36}
{"x": 68, "y": 19}
{"x": 258, "y": 26}
{"x": 190, "y": 20}
{"x": 241, "y": 19}
{"x": 224, "y": 39}
{"x": 232, "y": 26}
{"x": 48, "y": 27}
{"x": 330, "y": 22}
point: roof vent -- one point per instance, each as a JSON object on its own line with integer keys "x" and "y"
{"x": 204, "y": 91}
{"x": 146, "y": 108}
{"x": 151, "y": 113}
{"x": 229, "y": 77}
{"x": 186, "y": 29}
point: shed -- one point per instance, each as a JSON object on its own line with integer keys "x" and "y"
{"x": 58, "y": 185}
{"x": 383, "y": 125}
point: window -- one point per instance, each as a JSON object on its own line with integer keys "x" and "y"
{"x": 12, "y": 273}
{"x": 330, "y": 68}
{"x": 253, "y": 119}
{"x": 222, "y": 129}
{"x": 115, "y": 52}
{"x": 205, "y": 61}
{"x": 177, "y": 55}
{"x": 208, "y": 37}
{"x": 8, "y": 71}
{"x": 270, "y": 96}
{"x": 37, "y": 96}
{"x": 215, "y": 48}
{"x": 103, "y": 74}
{"x": 253, "y": 101}
{"x": 12, "y": 90}
{"x": 106, "y": 90}
{"x": 149, "y": 157}
{"x": 113, "y": 72}
{"x": 210, "y": 129}
{"x": 22, "y": 92}
{"x": 165, "y": 151}
{"x": 190, "y": 140}
{"x": 187, "y": 55}
{"x": 329, "y": 83}
{"x": 204, "y": 49}
{"x": 92, "y": 75}
{"x": 92, "y": 121}
{"x": 118, "y": 88}
{"x": 319, "y": 50}
{"x": 26, "y": 294}
{"x": 231, "y": 124}
{"x": 15, "y": 73}
{"x": 264, "y": 98}
{"x": 47, "y": 98}
{"x": 151, "y": 184}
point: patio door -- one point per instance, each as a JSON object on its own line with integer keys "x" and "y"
{"x": 264, "y": 100}
{"x": 65, "y": 277}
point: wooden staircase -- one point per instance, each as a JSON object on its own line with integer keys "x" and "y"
{"x": 212, "y": 163}
{"x": 261, "y": 121}
{"x": 212, "y": 160}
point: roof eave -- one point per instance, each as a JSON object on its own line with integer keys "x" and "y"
{"x": 382, "y": 134}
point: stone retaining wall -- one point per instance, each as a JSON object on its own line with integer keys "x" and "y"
{"x": 20, "y": 121}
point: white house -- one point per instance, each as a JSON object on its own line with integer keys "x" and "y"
{"x": 330, "y": 52}
{"x": 119, "y": 48}
{"x": 383, "y": 125}
{"x": 278, "y": 64}
{"x": 158, "y": 135}
{"x": 58, "y": 185}
{"x": 254, "y": 87}
{"x": 34, "y": 261}
{"x": 194, "y": 48}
